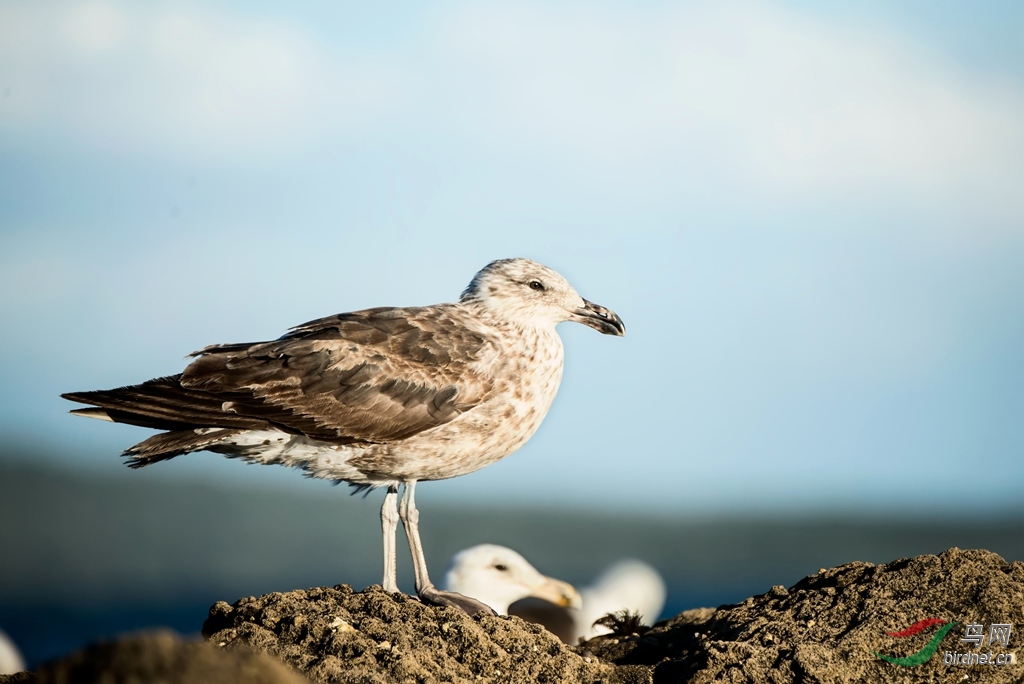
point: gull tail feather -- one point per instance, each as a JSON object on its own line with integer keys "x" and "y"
{"x": 167, "y": 445}
{"x": 193, "y": 419}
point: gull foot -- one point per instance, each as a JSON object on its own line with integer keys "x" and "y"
{"x": 469, "y": 606}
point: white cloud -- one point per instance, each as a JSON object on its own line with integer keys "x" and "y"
{"x": 95, "y": 26}
{"x": 759, "y": 97}
{"x": 174, "y": 80}
{"x": 778, "y": 97}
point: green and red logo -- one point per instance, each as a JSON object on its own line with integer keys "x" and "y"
{"x": 929, "y": 649}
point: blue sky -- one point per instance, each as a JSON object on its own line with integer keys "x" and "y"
{"x": 809, "y": 215}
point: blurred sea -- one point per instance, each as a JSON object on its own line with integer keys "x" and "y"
{"x": 85, "y": 556}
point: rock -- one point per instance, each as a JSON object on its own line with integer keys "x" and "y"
{"x": 159, "y": 657}
{"x": 828, "y": 627}
{"x": 18, "y": 678}
{"x": 338, "y": 635}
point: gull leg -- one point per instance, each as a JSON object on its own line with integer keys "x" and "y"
{"x": 389, "y": 525}
{"x": 425, "y": 589}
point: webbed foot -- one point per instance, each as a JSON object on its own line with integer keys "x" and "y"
{"x": 467, "y": 605}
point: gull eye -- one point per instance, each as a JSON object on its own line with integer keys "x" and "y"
{"x": 501, "y": 567}
{"x": 536, "y": 285}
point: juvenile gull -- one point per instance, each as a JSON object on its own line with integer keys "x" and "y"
{"x": 383, "y": 397}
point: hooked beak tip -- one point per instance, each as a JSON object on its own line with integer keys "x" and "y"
{"x": 601, "y": 319}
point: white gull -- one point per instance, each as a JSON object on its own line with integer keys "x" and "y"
{"x": 500, "y": 577}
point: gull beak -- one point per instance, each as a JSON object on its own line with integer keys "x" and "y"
{"x": 560, "y": 593}
{"x": 600, "y": 319}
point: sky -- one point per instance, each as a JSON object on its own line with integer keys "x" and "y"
{"x": 810, "y": 217}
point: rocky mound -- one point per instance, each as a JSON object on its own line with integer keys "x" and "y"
{"x": 831, "y": 627}
{"x": 338, "y": 635}
{"x": 159, "y": 658}
{"x": 826, "y": 628}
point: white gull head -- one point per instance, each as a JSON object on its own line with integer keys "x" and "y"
{"x": 498, "y": 576}
{"x": 528, "y": 293}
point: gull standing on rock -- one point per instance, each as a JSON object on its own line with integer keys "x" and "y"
{"x": 383, "y": 397}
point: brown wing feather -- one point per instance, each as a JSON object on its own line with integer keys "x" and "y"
{"x": 374, "y": 376}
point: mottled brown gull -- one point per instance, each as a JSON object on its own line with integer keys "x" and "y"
{"x": 383, "y": 397}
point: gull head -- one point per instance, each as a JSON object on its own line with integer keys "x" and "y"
{"x": 530, "y": 293}
{"x": 498, "y": 576}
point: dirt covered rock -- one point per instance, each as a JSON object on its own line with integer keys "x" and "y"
{"x": 159, "y": 658}
{"x": 827, "y": 628}
{"x": 338, "y": 635}
{"x": 830, "y": 626}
